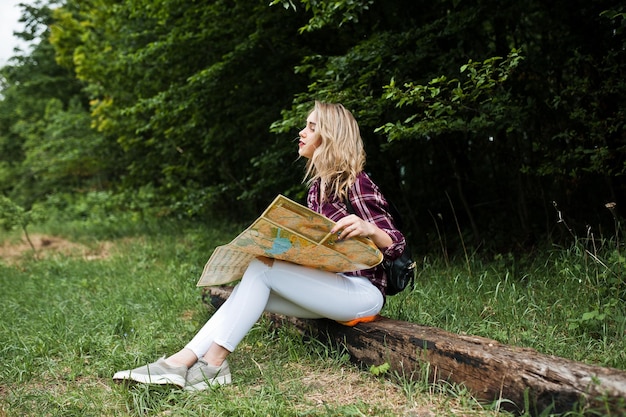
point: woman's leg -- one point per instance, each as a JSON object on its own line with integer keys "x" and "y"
{"x": 237, "y": 315}
{"x": 309, "y": 293}
{"x": 280, "y": 287}
{"x": 288, "y": 289}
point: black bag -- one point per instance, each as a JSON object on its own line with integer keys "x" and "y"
{"x": 401, "y": 271}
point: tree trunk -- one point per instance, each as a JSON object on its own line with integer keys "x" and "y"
{"x": 492, "y": 371}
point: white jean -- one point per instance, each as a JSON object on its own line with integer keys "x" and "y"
{"x": 287, "y": 289}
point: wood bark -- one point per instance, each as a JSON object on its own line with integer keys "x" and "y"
{"x": 524, "y": 379}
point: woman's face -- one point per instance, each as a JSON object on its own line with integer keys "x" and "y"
{"x": 310, "y": 138}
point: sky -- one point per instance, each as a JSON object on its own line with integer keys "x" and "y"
{"x": 9, "y": 22}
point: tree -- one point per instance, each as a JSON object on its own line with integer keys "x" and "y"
{"x": 552, "y": 130}
{"x": 13, "y": 216}
{"x": 29, "y": 83}
{"x": 478, "y": 114}
{"x": 188, "y": 91}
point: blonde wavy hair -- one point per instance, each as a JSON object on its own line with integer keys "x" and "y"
{"x": 341, "y": 156}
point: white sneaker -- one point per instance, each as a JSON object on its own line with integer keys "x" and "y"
{"x": 159, "y": 372}
{"x": 202, "y": 375}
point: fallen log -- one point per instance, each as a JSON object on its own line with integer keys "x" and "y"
{"x": 523, "y": 379}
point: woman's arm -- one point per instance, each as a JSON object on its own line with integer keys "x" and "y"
{"x": 370, "y": 217}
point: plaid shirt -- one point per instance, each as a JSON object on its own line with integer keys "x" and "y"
{"x": 370, "y": 205}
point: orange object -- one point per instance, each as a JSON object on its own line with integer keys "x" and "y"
{"x": 354, "y": 322}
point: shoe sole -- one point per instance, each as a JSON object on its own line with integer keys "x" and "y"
{"x": 203, "y": 385}
{"x": 166, "y": 379}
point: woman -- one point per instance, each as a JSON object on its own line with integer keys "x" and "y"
{"x": 334, "y": 172}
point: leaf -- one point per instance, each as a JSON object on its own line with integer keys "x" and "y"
{"x": 380, "y": 369}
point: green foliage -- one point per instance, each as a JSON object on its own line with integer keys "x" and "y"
{"x": 177, "y": 84}
{"x": 66, "y": 153}
{"x": 14, "y": 216}
{"x": 476, "y": 114}
{"x": 380, "y": 370}
{"x": 328, "y": 13}
{"x": 41, "y": 108}
{"x": 600, "y": 270}
{"x": 446, "y": 106}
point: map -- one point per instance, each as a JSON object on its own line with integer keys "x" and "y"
{"x": 291, "y": 232}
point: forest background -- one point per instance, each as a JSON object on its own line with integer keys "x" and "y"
{"x": 489, "y": 124}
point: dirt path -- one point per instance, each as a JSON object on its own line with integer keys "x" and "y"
{"x": 12, "y": 251}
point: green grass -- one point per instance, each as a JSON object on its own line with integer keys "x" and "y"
{"x": 69, "y": 323}
{"x": 559, "y": 302}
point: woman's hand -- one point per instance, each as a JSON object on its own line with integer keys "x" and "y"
{"x": 353, "y": 226}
